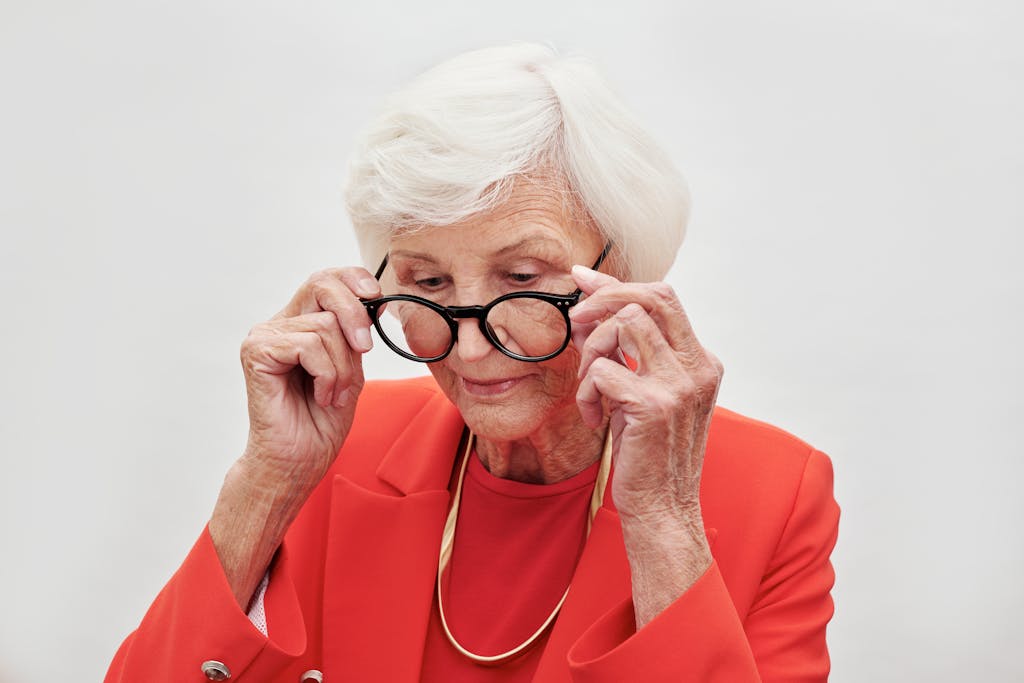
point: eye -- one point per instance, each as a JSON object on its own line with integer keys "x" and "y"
{"x": 523, "y": 278}
{"x": 430, "y": 283}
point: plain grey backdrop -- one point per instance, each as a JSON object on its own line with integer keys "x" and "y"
{"x": 170, "y": 173}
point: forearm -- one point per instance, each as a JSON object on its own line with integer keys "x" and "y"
{"x": 248, "y": 524}
{"x": 667, "y": 554}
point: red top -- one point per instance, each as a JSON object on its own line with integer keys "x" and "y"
{"x": 515, "y": 551}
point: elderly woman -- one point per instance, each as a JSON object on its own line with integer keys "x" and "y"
{"x": 561, "y": 500}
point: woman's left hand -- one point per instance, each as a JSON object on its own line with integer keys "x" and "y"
{"x": 659, "y": 415}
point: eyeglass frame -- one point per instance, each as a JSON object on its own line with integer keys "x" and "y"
{"x": 451, "y": 314}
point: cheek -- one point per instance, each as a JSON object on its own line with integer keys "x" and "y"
{"x": 445, "y": 378}
{"x": 561, "y": 374}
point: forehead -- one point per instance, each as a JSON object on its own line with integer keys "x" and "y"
{"x": 538, "y": 217}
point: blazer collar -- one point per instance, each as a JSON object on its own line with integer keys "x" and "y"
{"x": 422, "y": 457}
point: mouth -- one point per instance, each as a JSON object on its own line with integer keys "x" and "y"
{"x": 490, "y": 387}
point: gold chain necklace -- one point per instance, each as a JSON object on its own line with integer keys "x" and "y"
{"x": 448, "y": 541}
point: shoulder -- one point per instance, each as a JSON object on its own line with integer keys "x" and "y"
{"x": 387, "y": 408}
{"x": 739, "y": 444}
{"x": 755, "y": 474}
{"x": 734, "y": 430}
{"x": 387, "y": 412}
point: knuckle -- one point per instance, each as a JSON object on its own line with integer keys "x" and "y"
{"x": 343, "y": 374}
{"x": 707, "y": 383}
{"x": 662, "y": 402}
{"x": 631, "y": 312}
{"x": 322, "y": 276}
{"x": 686, "y": 389}
{"x": 324, "y": 322}
{"x": 251, "y": 343}
{"x": 246, "y": 347}
{"x": 354, "y": 273}
{"x": 326, "y": 376}
{"x": 710, "y": 370}
{"x": 324, "y": 285}
{"x": 716, "y": 364}
{"x": 663, "y": 291}
{"x": 259, "y": 329}
{"x": 602, "y": 365}
{"x": 331, "y": 372}
{"x": 319, "y": 286}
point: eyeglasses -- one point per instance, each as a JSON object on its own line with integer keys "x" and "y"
{"x": 526, "y": 326}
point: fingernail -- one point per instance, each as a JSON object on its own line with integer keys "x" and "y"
{"x": 342, "y": 398}
{"x": 368, "y": 286}
{"x": 363, "y": 339}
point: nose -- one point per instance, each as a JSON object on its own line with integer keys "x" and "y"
{"x": 470, "y": 343}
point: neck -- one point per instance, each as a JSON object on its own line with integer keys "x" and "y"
{"x": 556, "y": 451}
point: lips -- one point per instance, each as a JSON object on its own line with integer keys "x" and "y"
{"x": 490, "y": 387}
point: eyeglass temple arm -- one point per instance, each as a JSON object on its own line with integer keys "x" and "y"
{"x": 380, "y": 269}
{"x": 597, "y": 264}
{"x": 601, "y": 257}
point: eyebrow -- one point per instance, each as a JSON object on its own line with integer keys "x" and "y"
{"x": 410, "y": 254}
{"x": 527, "y": 241}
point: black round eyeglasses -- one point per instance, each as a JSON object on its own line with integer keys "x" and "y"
{"x": 526, "y": 326}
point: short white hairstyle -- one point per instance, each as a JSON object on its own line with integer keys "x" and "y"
{"x": 451, "y": 144}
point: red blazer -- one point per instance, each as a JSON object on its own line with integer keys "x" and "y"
{"x": 352, "y": 585}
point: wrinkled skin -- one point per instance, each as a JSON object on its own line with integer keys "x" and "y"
{"x": 538, "y": 422}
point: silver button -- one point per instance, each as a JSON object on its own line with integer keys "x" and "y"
{"x": 216, "y": 671}
{"x": 312, "y": 675}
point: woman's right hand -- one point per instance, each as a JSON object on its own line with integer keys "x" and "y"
{"x": 303, "y": 374}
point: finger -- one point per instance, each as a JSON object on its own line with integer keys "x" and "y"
{"x": 589, "y": 280}
{"x": 633, "y": 333}
{"x": 361, "y": 282}
{"x": 601, "y": 342}
{"x": 281, "y": 354}
{"x": 588, "y": 400}
{"x": 657, "y": 298}
{"x": 635, "y": 400}
{"x": 324, "y": 324}
{"x": 605, "y": 380}
{"x": 332, "y": 290}
{"x": 580, "y": 332}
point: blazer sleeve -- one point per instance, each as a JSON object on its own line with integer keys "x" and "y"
{"x": 702, "y": 638}
{"x": 195, "y": 619}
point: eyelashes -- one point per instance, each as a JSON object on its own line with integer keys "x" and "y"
{"x": 523, "y": 278}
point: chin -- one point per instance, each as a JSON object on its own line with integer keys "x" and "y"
{"x": 498, "y": 422}
{"x": 501, "y": 412}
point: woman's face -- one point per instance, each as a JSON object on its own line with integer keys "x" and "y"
{"x": 528, "y": 244}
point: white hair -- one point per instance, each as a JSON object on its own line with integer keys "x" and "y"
{"x": 450, "y": 145}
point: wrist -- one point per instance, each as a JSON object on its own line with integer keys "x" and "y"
{"x": 679, "y": 528}
{"x": 249, "y": 523}
{"x": 270, "y": 478}
{"x": 667, "y": 554}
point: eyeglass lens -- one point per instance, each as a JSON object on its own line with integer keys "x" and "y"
{"x": 524, "y": 326}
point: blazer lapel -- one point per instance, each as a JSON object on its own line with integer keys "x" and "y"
{"x": 382, "y": 551}
{"x": 601, "y": 582}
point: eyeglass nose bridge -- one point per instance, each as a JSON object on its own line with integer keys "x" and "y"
{"x": 479, "y": 313}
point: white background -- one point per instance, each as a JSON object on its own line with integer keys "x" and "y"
{"x": 170, "y": 172}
